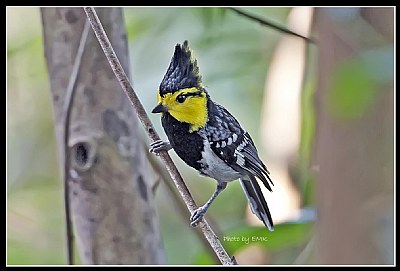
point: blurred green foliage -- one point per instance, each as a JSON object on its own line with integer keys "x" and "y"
{"x": 352, "y": 90}
{"x": 285, "y": 236}
{"x": 233, "y": 55}
{"x": 306, "y": 142}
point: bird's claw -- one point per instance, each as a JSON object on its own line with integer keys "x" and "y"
{"x": 157, "y": 146}
{"x": 197, "y": 216}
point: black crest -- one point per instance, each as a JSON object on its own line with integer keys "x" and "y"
{"x": 182, "y": 72}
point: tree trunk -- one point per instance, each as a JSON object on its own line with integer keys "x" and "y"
{"x": 354, "y": 141}
{"x": 112, "y": 205}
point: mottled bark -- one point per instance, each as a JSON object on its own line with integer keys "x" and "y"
{"x": 353, "y": 155}
{"x": 112, "y": 206}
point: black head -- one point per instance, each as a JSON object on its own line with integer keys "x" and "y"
{"x": 182, "y": 72}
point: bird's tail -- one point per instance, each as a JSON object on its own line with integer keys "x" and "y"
{"x": 256, "y": 200}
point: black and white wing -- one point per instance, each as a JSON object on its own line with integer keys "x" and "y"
{"x": 234, "y": 145}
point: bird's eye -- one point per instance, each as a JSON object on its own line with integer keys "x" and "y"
{"x": 180, "y": 98}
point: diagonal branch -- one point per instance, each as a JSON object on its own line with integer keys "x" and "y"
{"x": 66, "y": 113}
{"x": 272, "y": 25}
{"x": 173, "y": 171}
{"x": 181, "y": 205}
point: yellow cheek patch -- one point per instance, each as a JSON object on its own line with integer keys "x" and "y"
{"x": 159, "y": 99}
{"x": 193, "y": 110}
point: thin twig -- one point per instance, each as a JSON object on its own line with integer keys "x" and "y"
{"x": 306, "y": 253}
{"x": 66, "y": 113}
{"x": 173, "y": 171}
{"x": 155, "y": 185}
{"x": 272, "y": 25}
{"x": 182, "y": 209}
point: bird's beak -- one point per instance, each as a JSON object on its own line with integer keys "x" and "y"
{"x": 160, "y": 108}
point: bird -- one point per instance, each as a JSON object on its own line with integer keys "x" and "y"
{"x": 207, "y": 137}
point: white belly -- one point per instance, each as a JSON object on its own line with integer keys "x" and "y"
{"x": 214, "y": 167}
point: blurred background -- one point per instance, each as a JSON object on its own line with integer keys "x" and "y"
{"x": 313, "y": 112}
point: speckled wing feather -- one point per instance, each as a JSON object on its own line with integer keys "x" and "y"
{"x": 231, "y": 143}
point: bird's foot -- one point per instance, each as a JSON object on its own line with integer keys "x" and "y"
{"x": 157, "y": 146}
{"x": 197, "y": 216}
